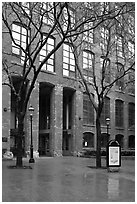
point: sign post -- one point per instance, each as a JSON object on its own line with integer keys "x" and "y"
{"x": 113, "y": 156}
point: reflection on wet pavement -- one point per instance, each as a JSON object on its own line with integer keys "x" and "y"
{"x": 66, "y": 180}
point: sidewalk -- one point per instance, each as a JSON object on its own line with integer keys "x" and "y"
{"x": 67, "y": 179}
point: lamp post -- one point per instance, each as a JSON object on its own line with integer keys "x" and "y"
{"x": 31, "y": 160}
{"x": 107, "y": 122}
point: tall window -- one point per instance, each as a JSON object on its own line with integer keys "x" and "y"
{"x": 105, "y": 68}
{"x": 65, "y": 18}
{"x": 47, "y": 48}
{"x": 131, "y": 141}
{"x": 88, "y": 34}
{"x": 119, "y": 72}
{"x": 131, "y": 86}
{"x": 104, "y": 38}
{"x": 131, "y": 25}
{"x": 47, "y": 12}
{"x": 68, "y": 61}
{"x": 104, "y": 6}
{"x": 131, "y": 48}
{"x": 88, "y": 111}
{"x": 21, "y": 37}
{"x": 119, "y": 46}
{"x": 105, "y": 111}
{"x": 119, "y": 113}
{"x": 131, "y": 114}
{"x": 88, "y": 65}
{"x": 26, "y": 7}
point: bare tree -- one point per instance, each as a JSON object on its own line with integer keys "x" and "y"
{"x": 116, "y": 64}
{"x": 31, "y": 18}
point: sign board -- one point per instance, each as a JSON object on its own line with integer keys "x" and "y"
{"x": 114, "y": 156}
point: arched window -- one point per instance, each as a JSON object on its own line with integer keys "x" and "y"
{"x": 120, "y": 139}
{"x": 88, "y": 139}
{"x": 119, "y": 73}
{"x": 88, "y": 111}
{"x": 119, "y": 113}
{"x": 131, "y": 114}
{"x": 105, "y": 111}
{"x": 131, "y": 141}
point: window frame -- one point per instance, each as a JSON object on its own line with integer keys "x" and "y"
{"x": 119, "y": 72}
{"x": 88, "y": 110}
{"x": 131, "y": 114}
{"x": 105, "y": 111}
{"x": 68, "y": 58}
{"x": 119, "y": 113}
{"x": 21, "y": 35}
{"x": 45, "y": 49}
{"x": 88, "y": 70}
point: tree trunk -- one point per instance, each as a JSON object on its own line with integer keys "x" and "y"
{"x": 98, "y": 146}
{"x": 19, "y": 162}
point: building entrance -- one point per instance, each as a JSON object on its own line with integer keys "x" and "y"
{"x": 44, "y": 149}
{"x": 67, "y": 140}
{"x": 66, "y": 144}
{"x": 44, "y": 119}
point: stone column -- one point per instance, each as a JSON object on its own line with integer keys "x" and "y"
{"x": 6, "y": 112}
{"x": 126, "y": 125}
{"x": 56, "y": 120}
{"x": 77, "y": 123}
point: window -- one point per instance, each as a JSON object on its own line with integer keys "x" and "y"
{"x": 131, "y": 141}
{"x": 21, "y": 37}
{"x": 88, "y": 139}
{"x": 88, "y": 111}
{"x": 105, "y": 68}
{"x": 119, "y": 72}
{"x": 105, "y": 111}
{"x": 88, "y": 65}
{"x": 131, "y": 85}
{"x": 68, "y": 61}
{"x": 119, "y": 46}
{"x": 88, "y": 35}
{"x": 104, "y": 6}
{"x": 47, "y": 12}
{"x": 131, "y": 49}
{"x": 119, "y": 113}
{"x": 26, "y": 7}
{"x": 104, "y": 38}
{"x": 65, "y": 18}
{"x": 47, "y": 48}
{"x": 131, "y": 25}
{"x": 131, "y": 114}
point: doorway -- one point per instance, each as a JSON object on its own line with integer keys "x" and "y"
{"x": 44, "y": 145}
{"x": 67, "y": 140}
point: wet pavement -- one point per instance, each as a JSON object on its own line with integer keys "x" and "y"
{"x": 67, "y": 179}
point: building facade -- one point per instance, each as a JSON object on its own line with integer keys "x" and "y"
{"x": 64, "y": 118}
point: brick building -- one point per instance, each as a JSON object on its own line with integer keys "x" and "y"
{"x": 64, "y": 118}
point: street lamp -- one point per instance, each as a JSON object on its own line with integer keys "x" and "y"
{"x": 107, "y": 122}
{"x": 31, "y": 160}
